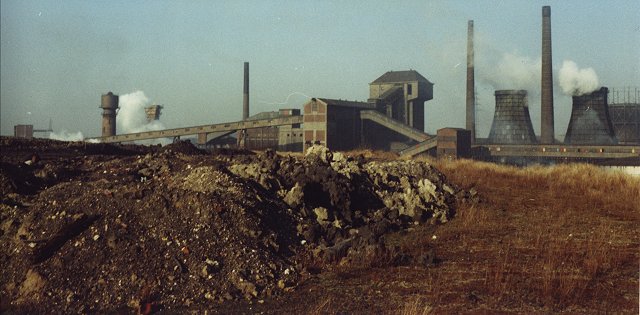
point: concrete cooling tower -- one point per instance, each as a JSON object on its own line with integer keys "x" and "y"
{"x": 511, "y": 121}
{"x": 590, "y": 122}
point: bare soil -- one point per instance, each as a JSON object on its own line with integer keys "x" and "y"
{"x": 136, "y": 229}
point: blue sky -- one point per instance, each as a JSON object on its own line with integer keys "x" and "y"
{"x": 58, "y": 57}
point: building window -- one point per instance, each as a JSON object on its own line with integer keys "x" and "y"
{"x": 409, "y": 89}
{"x": 314, "y": 107}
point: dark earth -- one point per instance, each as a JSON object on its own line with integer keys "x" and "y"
{"x": 101, "y": 228}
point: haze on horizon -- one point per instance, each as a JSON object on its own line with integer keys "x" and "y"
{"x": 58, "y": 57}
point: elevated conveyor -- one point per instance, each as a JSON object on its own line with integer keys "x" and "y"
{"x": 394, "y": 125}
{"x": 222, "y": 127}
{"x": 420, "y": 147}
{"x": 425, "y": 141}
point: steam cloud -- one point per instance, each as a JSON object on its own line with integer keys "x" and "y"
{"x": 65, "y": 135}
{"x": 576, "y": 81}
{"x": 515, "y": 72}
{"x": 132, "y": 117}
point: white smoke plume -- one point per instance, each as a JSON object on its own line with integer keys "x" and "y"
{"x": 132, "y": 117}
{"x": 65, "y": 135}
{"x": 514, "y": 72}
{"x": 576, "y": 81}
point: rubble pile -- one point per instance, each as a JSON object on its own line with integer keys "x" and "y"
{"x": 177, "y": 228}
{"x": 345, "y": 203}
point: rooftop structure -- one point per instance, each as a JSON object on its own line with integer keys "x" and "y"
{"x": 401, "y": 96}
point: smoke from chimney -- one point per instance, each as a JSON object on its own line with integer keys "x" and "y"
{"x": 513, "y": 71}
{"x": 575, "y": 81}
{"x": 132, "y": 117}
{"x": 64, "y": 135}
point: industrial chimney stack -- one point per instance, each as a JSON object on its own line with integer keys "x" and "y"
{"x": 245, "y": 93}
{"x": 471, "y": 97}
{"x": 547, "y": 127}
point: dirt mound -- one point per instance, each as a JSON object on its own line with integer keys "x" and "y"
{"x": 176, "y": 229}
{"x": 342, "y": 200}
{"x": 184, "y": 147}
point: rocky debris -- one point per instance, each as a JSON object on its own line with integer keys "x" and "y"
{"x": 79, "y": 223}
{"x": 176, "y": 228}
{"x": 336, "y": 195}
{"x": 31, "y": 286}
{"x": 414, "y": 189}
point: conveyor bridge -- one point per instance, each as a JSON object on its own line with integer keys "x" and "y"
{"x": 425, "y": 141}
{"x": 222, "y": 127}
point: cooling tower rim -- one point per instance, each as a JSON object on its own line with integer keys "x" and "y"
{"x": 602, "y": 90}
{"x": 510, "y": 92}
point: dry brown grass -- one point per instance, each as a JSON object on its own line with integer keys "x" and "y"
{"x": 415, "y": 306}
{"x": 323, "y": 306}
{"x": 557, "y": 238}
{"x": 554, "y": 239}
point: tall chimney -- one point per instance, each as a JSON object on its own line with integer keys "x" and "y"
{"x": 245, "y": 93}
{"x": 546, "y": 128}
{"x": 471, "y": 97}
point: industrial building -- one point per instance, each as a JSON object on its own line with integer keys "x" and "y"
{"x": 624, "y": 110}
{"x": 23, "y": 131}
{"x": 280, "y": 138}
{"x": 333, "y": 123}
{"x": 626, "y": 122}
{"x": 393, "y": 118}
{"x": 27, "y": 131}
{"x": 401, "y": 95}
{"x": 153, "y": 112}
{"x": 396, "y": 99}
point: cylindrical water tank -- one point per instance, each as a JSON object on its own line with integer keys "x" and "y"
{"x": 109, "y": 107}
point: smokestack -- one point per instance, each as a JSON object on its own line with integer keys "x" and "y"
{"x": 547, "y": 128}
{"x": 245, "y": 93}
{"x": 109, "y": 107}
{"x": 471, "y": 97}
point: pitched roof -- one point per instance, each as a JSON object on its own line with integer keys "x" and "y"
{"x": 400, "y": 76}
{"x": 345, "y": 103}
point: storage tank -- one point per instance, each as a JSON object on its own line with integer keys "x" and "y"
{"x": 109, "y": 110}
